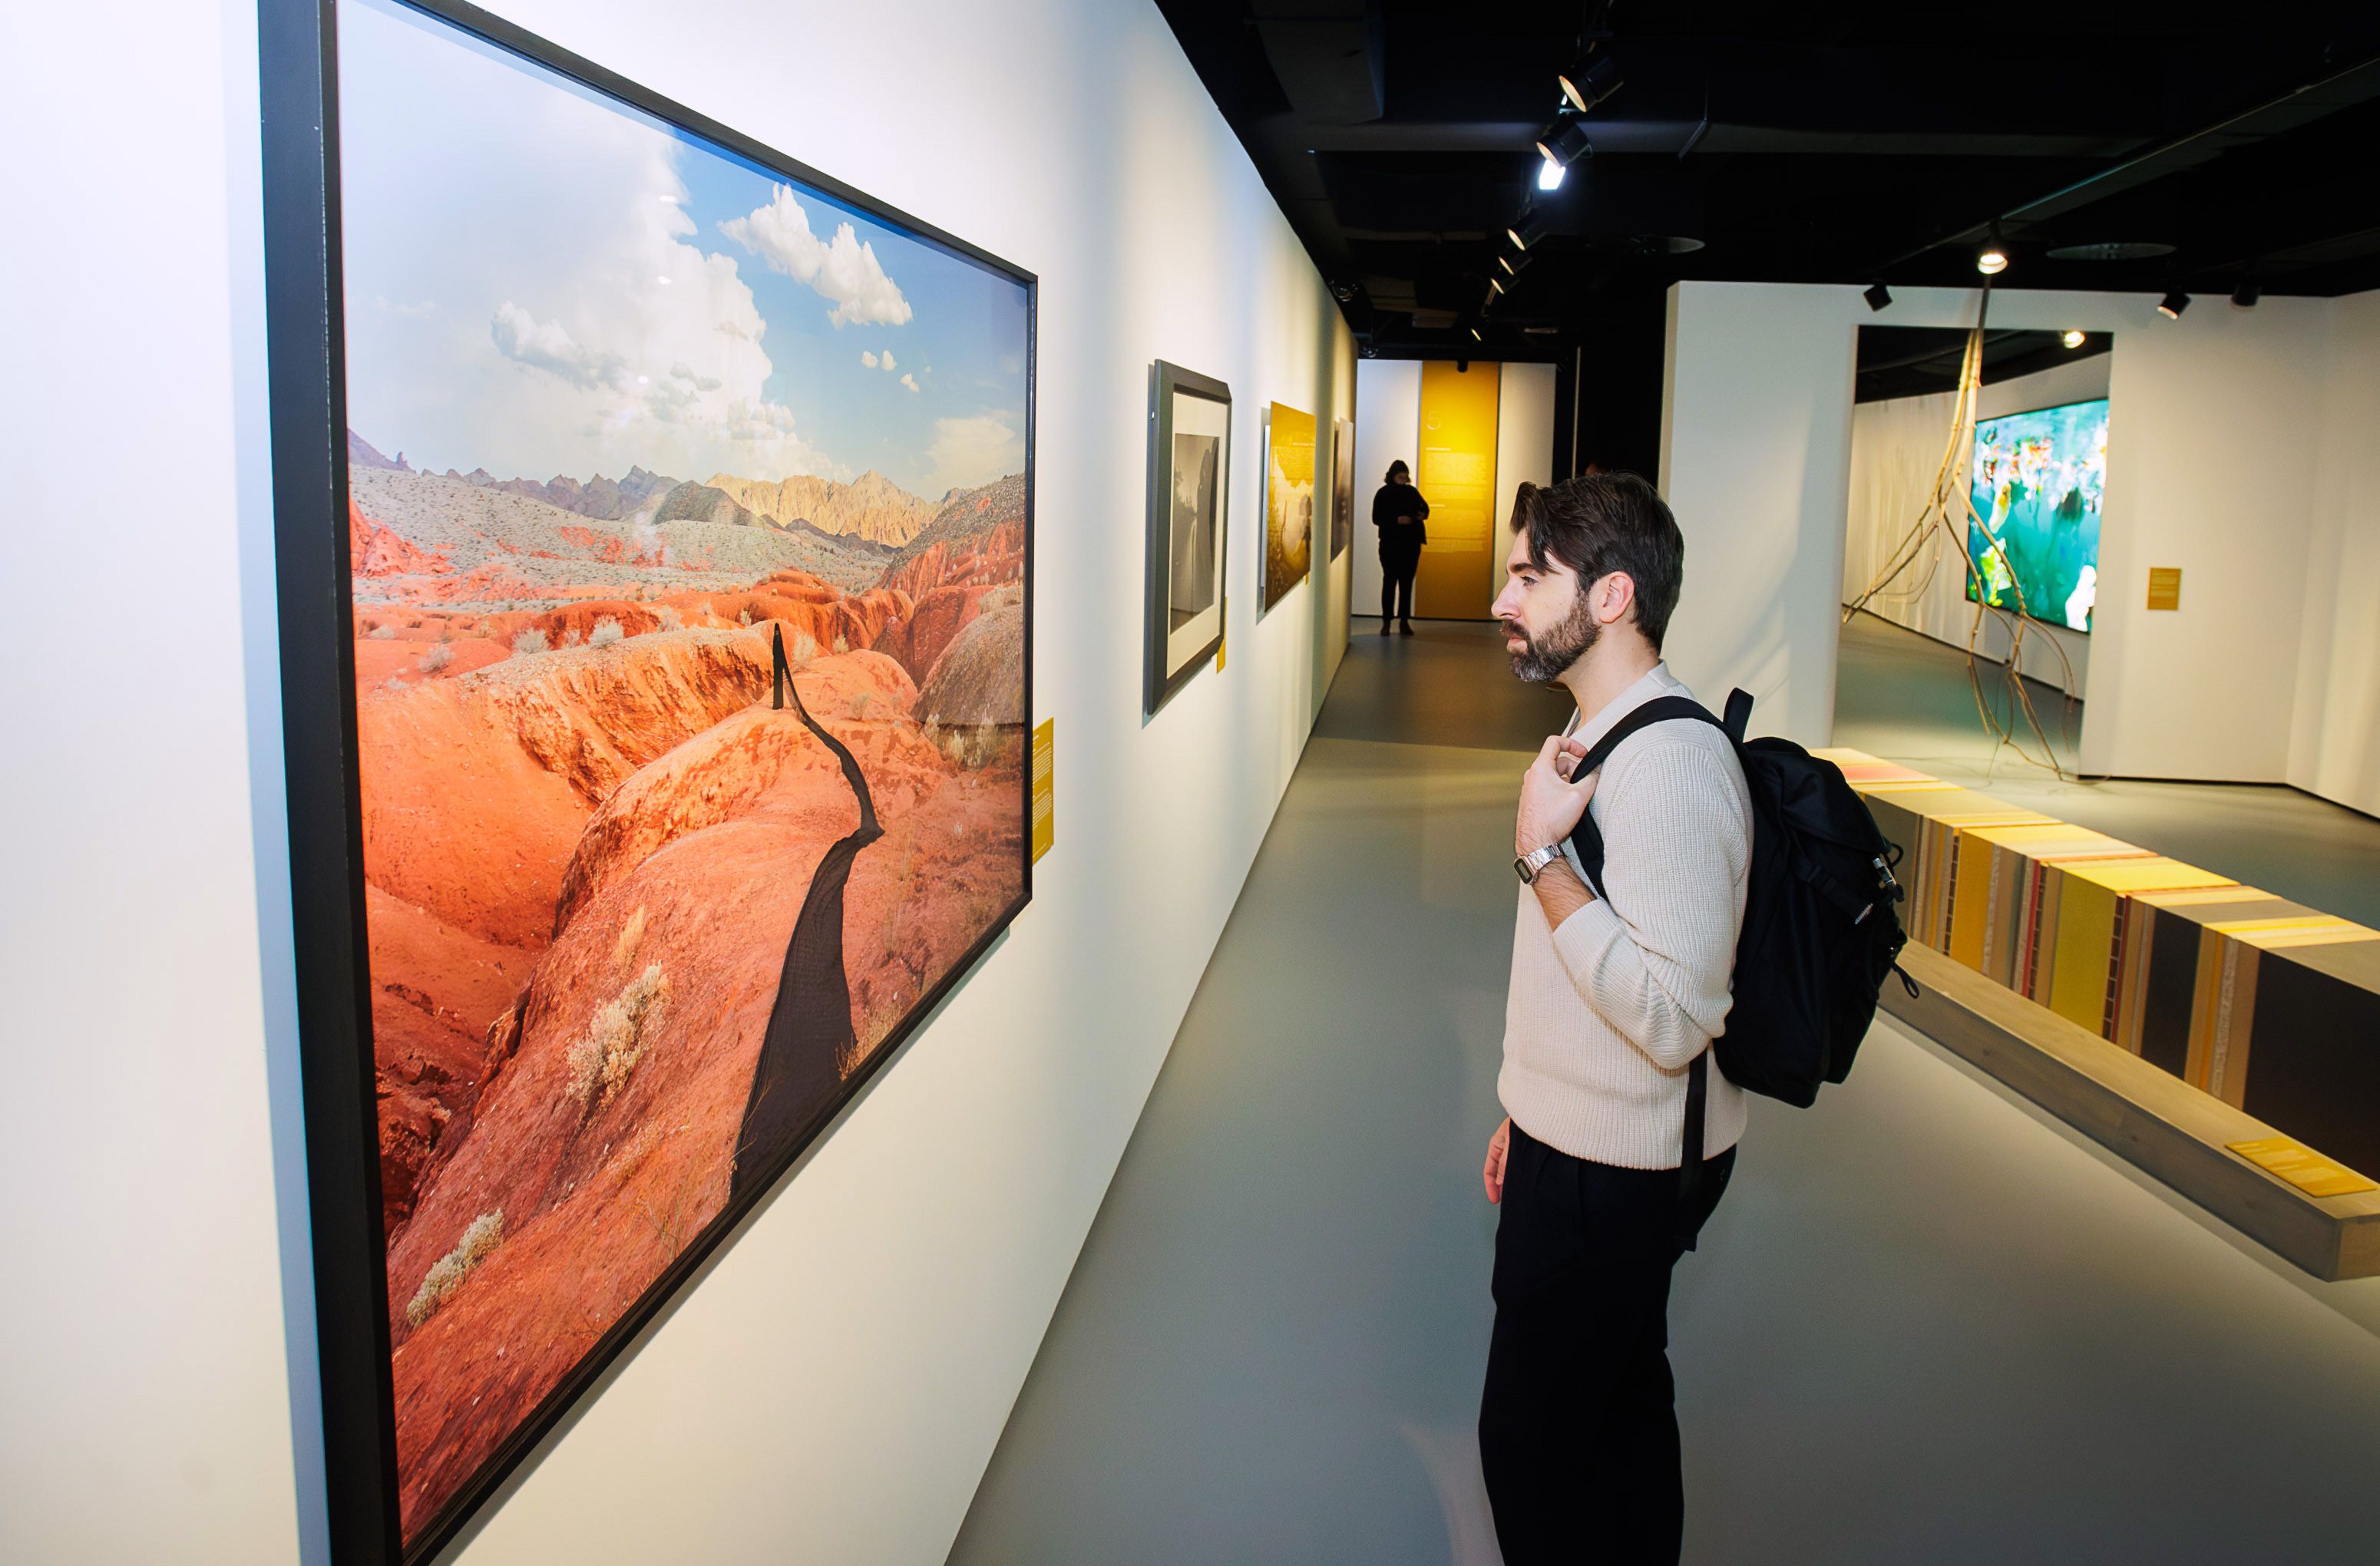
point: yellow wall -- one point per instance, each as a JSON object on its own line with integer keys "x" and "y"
{"x": 1456, "y": 473}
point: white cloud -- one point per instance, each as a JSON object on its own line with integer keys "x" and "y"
{"x": 843, "y": 269}
{"x": 411, "y": 312}
{"x": 968, "y": 452}
{"x": 910, "y": 382}
{"x": 867, "y": 358}
{"x": 548, "y": 346}
{"x": 888, "y": 361}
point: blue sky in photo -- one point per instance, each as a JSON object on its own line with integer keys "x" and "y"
{"x": 540, "y": 280}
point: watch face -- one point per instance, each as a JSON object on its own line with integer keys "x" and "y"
{"x": 1521, "y": 868}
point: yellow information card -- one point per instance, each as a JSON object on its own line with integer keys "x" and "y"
{"x": 1045, "y": 809}
{"x": 2303, "y": 1167}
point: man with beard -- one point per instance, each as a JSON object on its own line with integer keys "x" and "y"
{"x": 1610, "y": 1002}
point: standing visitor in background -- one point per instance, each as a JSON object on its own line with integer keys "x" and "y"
{"x": 1609, "y": 1005}
{"x": 1398, "y": 511}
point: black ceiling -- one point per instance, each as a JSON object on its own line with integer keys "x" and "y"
{"x": 1845, "y": 143}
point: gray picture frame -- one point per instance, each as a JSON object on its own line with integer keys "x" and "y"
{"x": 1169, "y": 670}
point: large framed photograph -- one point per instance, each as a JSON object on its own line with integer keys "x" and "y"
{"x": 1189, "y": 472}
{"x": 654, "y": 530}
{"x": 1289, "y": 502}
{"x": 1343, "y": 485}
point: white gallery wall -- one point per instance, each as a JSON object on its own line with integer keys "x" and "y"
{"x": 1897, "y": 448}
{"x": 1388, "y": 429}
{"x": 831, "y": 1389}
{"x": 2227, "y": 438}
{"x": 2335, "y": 743}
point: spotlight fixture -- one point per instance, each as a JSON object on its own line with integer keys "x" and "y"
{"x": 1589, "y": 80}
{"x": 1344, "y": 292}
{"x": 1475, "y": 337}
{"x": 1495, "y": 287}
{"x": 1513, "y": 261}
{"x": 2173, "y": 304}
{"x": 2247, "y": 293}
{"x": 1549, "y": 175}
{"x": 2072, "y": 339}
{"x": 1877, "y": 295}
{"x": 1992, "y": 255}
{"x": 1525, "y": 230}
{"x": 1563, "y": 142}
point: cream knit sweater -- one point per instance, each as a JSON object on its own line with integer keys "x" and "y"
{"x": 1606, "y": 1014}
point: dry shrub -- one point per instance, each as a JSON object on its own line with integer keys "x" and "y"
{"x": 446, "y": 1274}
{"x": 437, "y": 658}
{"x": 600, "y": 1061}
{"x": 528, "y": 641}
{"x": 607, "y": 633}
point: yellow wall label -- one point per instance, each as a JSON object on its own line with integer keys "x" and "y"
{"x": 2303, "y": 1167}
{"x": 2165, "y": 587}
{"x": 1045, "y": 817}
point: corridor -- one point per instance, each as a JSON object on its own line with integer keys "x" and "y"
{"x": 1927, "y": 1324}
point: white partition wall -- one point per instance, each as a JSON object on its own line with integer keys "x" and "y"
{"x": 1388, "y": 429}
{"x": 832, "y": 1388}
{"x": 2224, "y": 428}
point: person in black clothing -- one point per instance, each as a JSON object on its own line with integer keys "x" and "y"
{"x": 1398, "y": 511}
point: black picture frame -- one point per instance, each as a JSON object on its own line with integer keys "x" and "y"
{"x": 1167, "y": 382}
{"x": 305, "y": 369}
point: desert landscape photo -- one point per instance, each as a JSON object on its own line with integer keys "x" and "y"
{"x": 687, "y": 517}
{"x": 1289, "y": 500}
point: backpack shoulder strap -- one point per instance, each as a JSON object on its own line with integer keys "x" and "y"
{"x": 1660, "y": 710}
{"x": 1586, "y": 837}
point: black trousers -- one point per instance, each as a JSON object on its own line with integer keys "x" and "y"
{"x": 1578, "y": 1425}
{"x": 1397, "y": 568}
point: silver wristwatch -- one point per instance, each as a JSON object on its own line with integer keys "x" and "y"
{"x": 1528, "y": 865}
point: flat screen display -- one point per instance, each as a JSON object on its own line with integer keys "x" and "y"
{"x": 2038, "y": 480}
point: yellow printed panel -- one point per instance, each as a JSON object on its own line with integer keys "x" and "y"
{"x": 2304, "y": 929}
{"x": 2303, "y": 1167}
{"x": 1455, "y": 471}
{"x": 2086, "y": 932}
{"x": 1045, "y": 769}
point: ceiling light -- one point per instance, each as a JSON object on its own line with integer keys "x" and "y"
{"x": 1589, "y": 80}
{"x": 1549, "y": 175}
{"x": 1525, "y": 230}
{"x": 1513, "y": 261}
{"x": 1992, "y": 256}
{"x": 2248, "y": 293}
{"x": 2072, "y": 339}
{"x": 1495, "y": 287}
{"x": 2173, "y": 304}
{"x": 1475, "y": 337}
{"x": 1564, "y": 141}
{"x": 1877, "y": 296}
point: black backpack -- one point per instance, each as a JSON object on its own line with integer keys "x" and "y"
{"x": 1820, "y": 929}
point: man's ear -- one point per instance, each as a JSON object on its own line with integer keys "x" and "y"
{"x": 1614, "y": 592}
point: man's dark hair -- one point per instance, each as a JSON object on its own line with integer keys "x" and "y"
{"x": 1599, "y": 523}
{"x": 1394, "y": 468}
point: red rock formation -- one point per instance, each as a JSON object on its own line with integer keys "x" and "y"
{"x": 476, "y": 789}
{"x": 981, "y": 559}
{"x": 377, "y": 551}
{"x": 692, "y": 870}
{"x": 979, "y": 678}
{"x": 940, "y": 613}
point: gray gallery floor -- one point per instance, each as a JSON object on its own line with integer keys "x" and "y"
{"x": 1926, "y": 1325}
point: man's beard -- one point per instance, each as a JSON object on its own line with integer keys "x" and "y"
{"x": 1546, "y": 657}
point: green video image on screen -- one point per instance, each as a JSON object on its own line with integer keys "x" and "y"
{"x": 2038, "y": 480}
